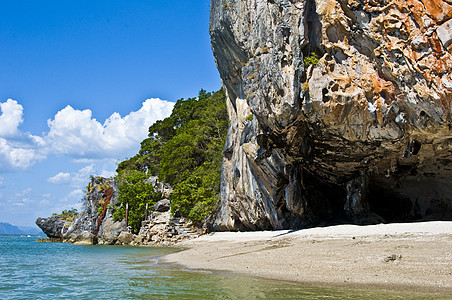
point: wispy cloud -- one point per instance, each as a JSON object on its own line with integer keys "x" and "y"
{"x": 60, "y": 178}
{"x": 22, "y": 198}
{"x": 81, "y": 177}
{"x": 73, "y": 196}
{"x": 23, "y": 193}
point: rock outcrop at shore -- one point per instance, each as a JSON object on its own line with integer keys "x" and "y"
{"x": 96, "y": 225}
{"x": 361, "y": 134}
{"x": 52, "y": 226}
{"x": 163, "y": 230}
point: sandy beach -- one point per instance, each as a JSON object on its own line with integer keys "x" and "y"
{"x": 409, "y": 256}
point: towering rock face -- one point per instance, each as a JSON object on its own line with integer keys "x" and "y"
{"x": 362, "y": 135}
{"x": 95, "y": 224}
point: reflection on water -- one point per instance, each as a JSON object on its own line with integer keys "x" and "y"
{"x": 31, "y": 270}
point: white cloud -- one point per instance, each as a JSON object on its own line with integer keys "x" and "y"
{"x": 60, "y": 178}
{"x": 82, "y": 176}
{"x": 22, "y": 198}
{"x": 106, "y": 173}
{"x": 74, "y": 196}
{"x": 23, "y": 193}
{"x": 15, "y": 155}
{"x": 44, "y": 202}
{"x": 17, "y": 150}
{"x": 76, "y": 179}
{"x": 78, "y": 206}
{"x": 73, "y": 131}
{"x": 1, "y": 181}
{"x": 10, "y": 118}
{"x": 76, "y": 132}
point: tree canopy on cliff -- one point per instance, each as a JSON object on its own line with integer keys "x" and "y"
{"x": 185, "y": 150}
{"x": 67, "y": 215}
{"x": 135, "y": 191}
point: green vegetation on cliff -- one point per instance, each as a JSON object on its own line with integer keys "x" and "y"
{"x": 311, "y": 59}
{"x": 135, "y": 191}
{"x": 67, "y": 215}
{"x": 185, "y": 150}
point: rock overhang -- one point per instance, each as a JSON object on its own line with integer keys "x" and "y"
{"x": 363, "y": 135}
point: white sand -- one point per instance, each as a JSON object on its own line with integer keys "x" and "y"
{"x": 415, "y": 256}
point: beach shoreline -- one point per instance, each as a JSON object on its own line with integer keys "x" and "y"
{"x": 413, "y": 257}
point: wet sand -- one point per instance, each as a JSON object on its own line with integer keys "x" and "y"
{"x": 409, "y": 256}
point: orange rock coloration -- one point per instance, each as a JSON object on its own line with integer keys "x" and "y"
{"x": 108, "y": 193}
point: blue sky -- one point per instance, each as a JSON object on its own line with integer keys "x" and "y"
{"x": 80, "y": 83}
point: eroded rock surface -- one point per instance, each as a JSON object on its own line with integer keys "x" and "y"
{"x": 95, "y": 223}
{"x": 363, "y": 135}
{"x": 163, "y": 230}
{"x": 110, "y": 231}
{"x": 52, "y": 226}
{"x": 162, "y": 205}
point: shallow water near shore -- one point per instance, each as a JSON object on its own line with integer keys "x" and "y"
{"x": 33, "y": 270}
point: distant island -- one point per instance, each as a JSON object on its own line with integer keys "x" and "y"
{"x": 6, "y": 228}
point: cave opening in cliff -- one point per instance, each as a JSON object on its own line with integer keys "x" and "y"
{"x": 389, "y": 205}
{"x": 324, "y": 201}
{"x": 412, "y": 197}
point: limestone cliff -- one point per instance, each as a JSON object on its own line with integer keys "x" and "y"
{"x": 93, "y": 225}
{"x": 363, "y": 135}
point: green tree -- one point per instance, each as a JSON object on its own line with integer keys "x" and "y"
{"x": 193, "y": 163}
{"x": 136, "y": 192}
{"x": 185, "y": 150}
{"x": 68, "y": 215}
{"x": 197, "y": 196}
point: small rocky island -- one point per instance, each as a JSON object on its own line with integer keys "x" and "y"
{"x": 91, "y": 227}
{"x": 167, "y": 192}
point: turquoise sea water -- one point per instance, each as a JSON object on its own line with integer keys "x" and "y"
{"x": 33, "y": 270}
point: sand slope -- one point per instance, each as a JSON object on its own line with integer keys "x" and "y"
{"x": 415, "y": 256}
